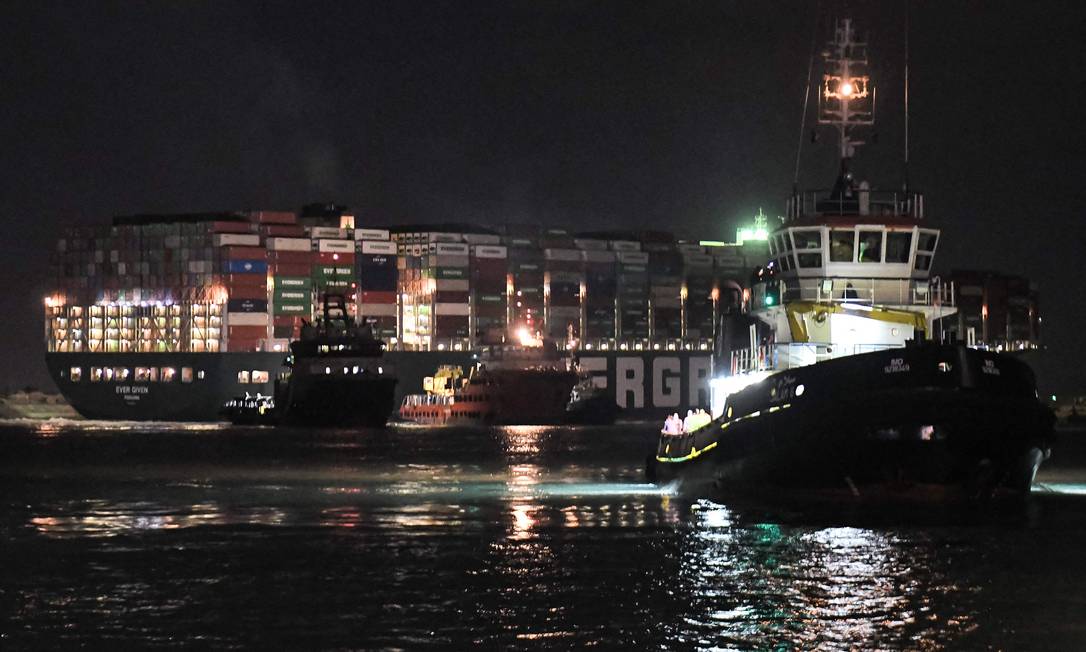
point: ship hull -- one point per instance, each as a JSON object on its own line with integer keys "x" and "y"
{"x": 960, "y": 439}
{"x": 643, "y": 384}
{"x": 336, "y": 401}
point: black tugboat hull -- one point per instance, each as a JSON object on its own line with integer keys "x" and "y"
{"x": 960, "y": 437}
{"x": 335, "y": 401}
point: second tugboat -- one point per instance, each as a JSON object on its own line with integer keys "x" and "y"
{"x": 829, "y": 385}
{"x": 335, "y": 377}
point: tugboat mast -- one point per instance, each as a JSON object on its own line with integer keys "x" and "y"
{"x": 846, "y": 99}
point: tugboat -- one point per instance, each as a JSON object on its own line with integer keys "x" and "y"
{"x": 523, "y": 384}
{"x": 590, "y": 404}
{"x": 829, "y": 384}
{"x": 334, "y": 377}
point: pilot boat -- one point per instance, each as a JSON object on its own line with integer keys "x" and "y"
{"x": 835, "y": 380}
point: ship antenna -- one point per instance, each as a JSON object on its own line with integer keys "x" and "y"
{"x": 806, "y": 100}
{"x": 906, "y": 98}
{"x": 846, "y": 97}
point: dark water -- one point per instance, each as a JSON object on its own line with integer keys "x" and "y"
{"x": 134, "y": 537}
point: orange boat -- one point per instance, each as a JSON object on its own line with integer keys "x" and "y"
{"x": 510, "y": 385}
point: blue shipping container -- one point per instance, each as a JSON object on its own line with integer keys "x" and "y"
{"x": 246, "y": 266}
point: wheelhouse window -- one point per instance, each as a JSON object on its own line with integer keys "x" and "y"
{"x": 259, "y": 376}
{"x": 75, "y": 374}
{"x": 925, "y": 249}
{"x": 809, "y": 260}
{"x": 842, "y": 244}
{"x": 807, "y": 239}
{"x": 898, "y": 244}
{"x": 870, "y": 247}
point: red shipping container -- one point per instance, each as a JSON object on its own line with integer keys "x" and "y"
{"x": 330, "y": 258}
{"x": 245, "y": 280}
{"x": 286, "y": 320}
{"x": 291, "y": 257}
{"x": 244, "y": 343}
{"x": 248, "y": 292}
{"x": 247, "y": 332}
{"x": 290, "y": 269}
{"x": 377, "y": 297}
{"x": 283, "y": 230}
{"x": 229, "y": 227}
{"x": 243, "y": 253}
{"x": 273, "y": 217}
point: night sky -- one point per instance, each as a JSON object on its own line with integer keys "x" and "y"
{"x": 674, "y": 115}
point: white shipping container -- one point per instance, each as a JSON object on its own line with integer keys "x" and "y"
{"x": 590, "y": 245}
{"x": 452, "y": 285}
{"x": 371, "y": 234}
{"x": 698, "y": 260}
{"x": 449, "y": 261}
{"x": 246, "y": 319}
{"x": 444, "y": 237}
{"x": 290, "y": 244}
{"x": 378, "y": 247}
{"x": 632, "y": 257}
{"x": 625, "y": 245}
{"x": 482, "y": 239}
{"x": 327, "y": 232}
{"x": 377, "y": 309}
{"x": 562, "y": 254}
{"x": 490, "y": 251}
{"x": 335, "y": 246}
{"x": 236, "y": 239}
{"x": 598, "y": 256}
{"x": 449, "y": 249}
{"x": 461, "y": 309}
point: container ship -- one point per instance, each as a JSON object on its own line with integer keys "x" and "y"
{"x": 166, "y": 317}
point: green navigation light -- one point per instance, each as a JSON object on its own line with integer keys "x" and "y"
{"x": 768, "y": 300}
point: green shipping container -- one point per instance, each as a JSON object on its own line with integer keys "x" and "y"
{"x": 292, "y": 309}
{"x": 296, "y": 282}
{"x": 288, "y": 295}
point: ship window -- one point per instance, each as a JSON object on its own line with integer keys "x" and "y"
{"x": 75, "y": 374}
{"x": 121, "y": 374}
{"x": 95, "y": 374}
{"x": 807, "y": 239}
{"x": 898, "y": 244}
{"x": 870, "y": 247}
{"x": 841, "y": 245}
{"x": 926, "y": 241}
{"x": 143, "y": 374}
{"x": 201, "y": 374}
{"x": 243, "y": 377}
{"x": 186, "y": 374}
{"x": 259, "y": 376}
{"x": 168, "y": 374}
{"x": 809, "y": 260}
{"x": 923, "y": 262}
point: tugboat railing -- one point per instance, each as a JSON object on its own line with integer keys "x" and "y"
{"x": 778, "y": 357}
{"x": 865, "y": 291}
{"x": 860, "y": 201}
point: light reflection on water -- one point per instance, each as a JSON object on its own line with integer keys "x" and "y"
{"x": 493, "y": 538}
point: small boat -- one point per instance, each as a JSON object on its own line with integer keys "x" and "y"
{"x": 590, "y": 404}
{"x": 509, "y": 385}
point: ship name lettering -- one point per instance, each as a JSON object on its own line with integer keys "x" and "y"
{"x": 131, "y": 389}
